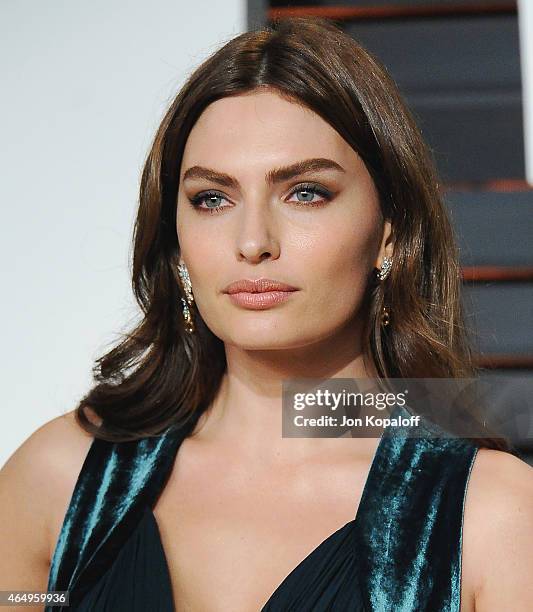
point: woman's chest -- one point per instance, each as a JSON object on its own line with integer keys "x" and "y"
{"x": 231, "y": 541}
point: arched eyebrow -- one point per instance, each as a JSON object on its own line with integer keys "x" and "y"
{"x": 277, "y": 175}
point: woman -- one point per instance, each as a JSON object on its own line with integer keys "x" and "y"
{"x": 290, "y": 226}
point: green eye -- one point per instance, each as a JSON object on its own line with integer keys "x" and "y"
{"x": 305, "y": 194}
{"x": 211, "y": 198}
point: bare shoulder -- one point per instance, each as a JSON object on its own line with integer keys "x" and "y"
{"x": 36, "y": 484}
{"x": 498, "y": 532}
{"x": 50, "y": 457}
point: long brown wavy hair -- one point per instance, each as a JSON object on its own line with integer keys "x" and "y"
{"x": 158, "y": 375}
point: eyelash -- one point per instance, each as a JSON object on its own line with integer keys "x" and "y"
{"x": 310, "y": 187}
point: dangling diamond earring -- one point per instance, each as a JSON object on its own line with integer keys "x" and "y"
{"x": 385, "y": 269}
{"x": 187, "y": 286}
{"x": 382, "y": 274}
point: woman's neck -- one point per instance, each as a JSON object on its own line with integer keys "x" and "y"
{"x": 247, "y": 411}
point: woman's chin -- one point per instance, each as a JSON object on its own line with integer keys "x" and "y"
{"x": 273, "y": 337}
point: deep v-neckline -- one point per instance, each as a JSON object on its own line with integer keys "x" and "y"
{"x": 352, "y": 524}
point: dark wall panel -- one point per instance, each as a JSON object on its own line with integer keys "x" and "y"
{"x": 500, "y": 315}
{"x": 465, "y": 94}
{"x": 493, "y": 228}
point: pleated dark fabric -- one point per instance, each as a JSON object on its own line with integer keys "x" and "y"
{"x": 138, "y": 579}
{"x": 400, "y": 553}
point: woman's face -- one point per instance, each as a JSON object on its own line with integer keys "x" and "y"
{"x": 270, "y": 211}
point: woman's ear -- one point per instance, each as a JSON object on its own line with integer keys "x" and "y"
{"x": 387, "y": 244}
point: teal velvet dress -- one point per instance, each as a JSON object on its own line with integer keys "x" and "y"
{"x": 400, "y": 553}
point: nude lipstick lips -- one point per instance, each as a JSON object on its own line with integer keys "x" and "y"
{"x": 259, "y": 294}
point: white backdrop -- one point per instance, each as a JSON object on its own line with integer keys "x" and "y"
{"x": 85, "y": 85}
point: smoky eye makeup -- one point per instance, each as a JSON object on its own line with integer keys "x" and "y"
{"x": 307, "y": 194}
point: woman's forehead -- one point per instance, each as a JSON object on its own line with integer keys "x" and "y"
{"x": 262, "y": 126}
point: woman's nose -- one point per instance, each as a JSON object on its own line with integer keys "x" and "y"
{"x": 257, "y": 234}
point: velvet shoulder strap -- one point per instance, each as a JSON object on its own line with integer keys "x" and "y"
{"x": 409, "y": 539}
{"x": 116, "y": 483}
